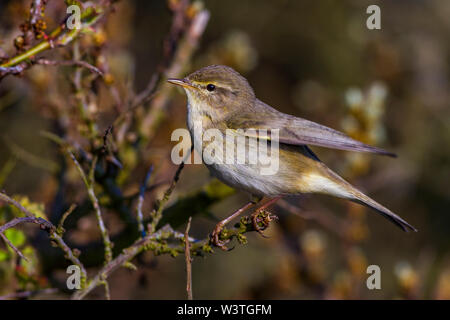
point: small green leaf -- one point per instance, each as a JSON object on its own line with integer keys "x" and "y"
{"x": 38, "y": 209}
{"x": 31, "y": 265}
{"x": 16, "y": 237}
{"x": 4, "y": 255}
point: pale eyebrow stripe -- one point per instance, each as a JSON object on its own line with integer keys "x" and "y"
{"x": 221, "y": 85}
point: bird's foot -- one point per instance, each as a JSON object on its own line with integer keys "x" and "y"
{"x": 215, "y": 240}
{"x": 261, "y": 220}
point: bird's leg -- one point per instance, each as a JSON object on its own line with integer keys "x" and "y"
{"x": 255, "y": 217}
{"x": 215, "y": 235}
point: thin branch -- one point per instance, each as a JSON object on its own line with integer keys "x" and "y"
{"x": 180, "y": 59}
{"x": 188, "y": 259}
{"x": 70, "y": 255}
{"x": 60, "y": 228}
{"x": 30, "y": 158}
{"x": 89, "y": 183}
{"x": 152, "y": 242}
{"x": 33, "y": 27}
{"x": 14, "y": 70}
{"x": 61, "y": 36}
{"x": 9, "y": 243}
{"x": 44, "y": 225}
{"x": 157, "y": 211}
{"x": 78, "y": 63}
{"x": 106, "y": 149}
{"x": 157, "y": 242}
{"x": 8, "y": 200}
{"x": 105, "y": 283}
{"x": 81, "y": 96}
{"x": 179, "y": 24}
{"x": 140, "y": 217}
{"x": 144, "y": 96}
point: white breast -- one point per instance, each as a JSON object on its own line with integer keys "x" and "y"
{"x": 245, "y": 176}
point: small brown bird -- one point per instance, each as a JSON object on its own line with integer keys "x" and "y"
{"x": 220, "y": 98}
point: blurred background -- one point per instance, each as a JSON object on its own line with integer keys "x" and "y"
{"x": 313, "y": 59}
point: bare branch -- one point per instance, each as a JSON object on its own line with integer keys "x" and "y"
{"x": 187, "y": 254}
{"x": 89, "y": 183}
{"x": 140, "y": 217}
{"x": 14, "y": 70}
{"x": 14, "y": 203}
{"x": 9, "y": 243}
{"x": 105, "y": 283}
{"x": 61, "y": 36}
{"x": 181, "y": 56}
{"x": 149, "y": 241}
{"x": 157, "y": 212}
{"x": 60, "y": 228}
{"x": 78, "y": 63}
{"x": 44, "y": 225}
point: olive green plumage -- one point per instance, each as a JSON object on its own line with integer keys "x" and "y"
{"x": 221, "y": 98}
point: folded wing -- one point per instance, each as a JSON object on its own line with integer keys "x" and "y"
{"x": 296, "y": 131}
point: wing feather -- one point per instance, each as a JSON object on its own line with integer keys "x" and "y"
{"x": 296, "y": 131}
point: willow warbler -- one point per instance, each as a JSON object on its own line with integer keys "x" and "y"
{"x": 220, "y": 98}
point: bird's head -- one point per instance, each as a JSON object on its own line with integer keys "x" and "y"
{"x": 216, "y": 90}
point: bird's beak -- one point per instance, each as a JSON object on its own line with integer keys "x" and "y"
{"x": 181, "y": 82}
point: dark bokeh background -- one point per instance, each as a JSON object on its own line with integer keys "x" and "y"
{"x": 317, "y": 60}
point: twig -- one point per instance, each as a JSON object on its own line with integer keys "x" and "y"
{"x": 180, "y": 59}
{"x": 107, "y": 292}
{"x": 70, "y": 255}
{"x": 106, "y": 150}
{"x": 45, "y": 225}
{"x": 187, "y": 254}
{"x": 151, "y": 241}
{"x": 9, "y": 243}
{"x": 14, "y": 70}
{"x": 81, "y": 96}
{"x": 60, "y": 228}
{"x": 140, "y": 217}
{"x": 61, "y": 36}
{"x": 157, "y": 211}
{"x": 31, "y": 28}
{"x": 144, "y": 96}
{"x": 179, "y": 23}
{"x": 30, "y": 158}
{"x": 78, "y": 63}
{"x": 89, "y": 183}
{"x": 157, "y": 242}
{"x": 108, "y": 132}
{"x": 14, "y": 203}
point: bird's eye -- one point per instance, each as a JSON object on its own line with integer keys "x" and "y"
{"x": 210, "y": 87}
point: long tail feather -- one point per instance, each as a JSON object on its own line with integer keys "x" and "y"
{"x": 388, "y": 214}
{"x": 343, "y": 189}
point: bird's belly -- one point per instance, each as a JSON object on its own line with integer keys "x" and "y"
{"x": 243, "y": 175}
{"x": 248, "y": 178}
